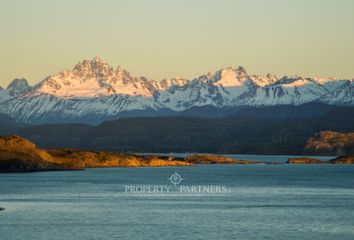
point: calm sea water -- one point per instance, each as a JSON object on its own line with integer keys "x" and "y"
{"x": 264, "y": 202}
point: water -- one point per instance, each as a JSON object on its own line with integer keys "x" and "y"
{"x": 265, "y": 202}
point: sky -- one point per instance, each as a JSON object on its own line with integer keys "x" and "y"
{"x": 177, "y": 38}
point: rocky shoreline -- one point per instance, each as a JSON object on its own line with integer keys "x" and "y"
{"x": 18, "y": 154}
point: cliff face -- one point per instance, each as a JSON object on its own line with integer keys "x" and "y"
{"x": 330, "y": 143}
{"x": 19, "y": 154}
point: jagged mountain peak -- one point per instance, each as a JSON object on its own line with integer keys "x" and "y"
{"x": 230, "y": 77}
{"x": 94, "y": 78}
{"x": 293, "y": 81}
{"x": 241, "y": 69}
{"x": 18, "y": 86}
{"x": 238, "y": 70}
{"x": 99, "y": 67}
{"x": 18, "y": 83}
{"x": 95, "y": 65}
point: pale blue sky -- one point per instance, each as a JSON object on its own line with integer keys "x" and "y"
{"x": 187, "y": 38}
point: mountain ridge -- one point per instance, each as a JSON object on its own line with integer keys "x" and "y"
{"x": 95, "y": 89}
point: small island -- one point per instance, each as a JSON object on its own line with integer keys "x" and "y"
{"x": 346, "y": 159}
{"x": 213, "y": 159}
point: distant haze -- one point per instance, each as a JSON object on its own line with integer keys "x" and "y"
{"x": 186, "y": 38}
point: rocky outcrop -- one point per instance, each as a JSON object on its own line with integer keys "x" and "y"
{"x": 338, "y": 160}
{"x": 85, "y": 159}
{"x": 330, "y": 143}
{"x": 305, "y": 161}
{"x": 343, "y": 160}
{"x": 19, "y": 154}
{"x": 212, "y": 159}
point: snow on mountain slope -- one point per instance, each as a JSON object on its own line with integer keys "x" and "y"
{"x": 93, "y": 89}
{"x": 40, "y": 108}
{"x": 94, "y": 78}
{"x": 16, "y": 88}
{"x": 294, "y": 90}
{"x": 342, "y": 93}
{"x": 218, "y": 89}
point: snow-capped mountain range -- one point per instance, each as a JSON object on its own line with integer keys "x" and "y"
{"x": 94, "y": 90}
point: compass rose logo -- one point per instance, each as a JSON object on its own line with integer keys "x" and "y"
{"x": 175, "y": 179}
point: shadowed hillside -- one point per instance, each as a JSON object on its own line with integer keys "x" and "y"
{"x": 236, "y": 134}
